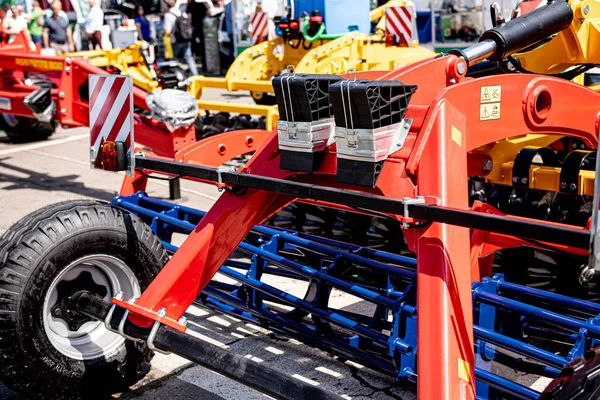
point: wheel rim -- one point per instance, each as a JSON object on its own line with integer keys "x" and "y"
{"x": 10, "y": 120}
{"x": 90, "y": 340}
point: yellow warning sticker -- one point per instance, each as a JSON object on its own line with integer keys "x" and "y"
{"x": 456, "y": 136}
{"x": 491, "y": 94}
{"x": 464, "y": 370}
{"x": 489, "y": 111}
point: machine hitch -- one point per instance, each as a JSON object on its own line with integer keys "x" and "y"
{"x": 233, "y": 366}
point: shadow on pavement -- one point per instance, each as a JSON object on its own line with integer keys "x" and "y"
{"x": 41, "y": 181}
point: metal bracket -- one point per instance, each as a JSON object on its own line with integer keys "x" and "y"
{"x": 108, "y": 319}
{"x": 220, "y": 170}
{"x": 401, "y": 135}
{"x": 150, "y": 342}
{"x": 121, "y": 330}
{"x": 407, "y": 201}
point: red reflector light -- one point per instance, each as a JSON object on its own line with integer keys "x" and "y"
{"x": 294, "y": 25}
{"x": 283, "y": 26}
{"x": 390, "y": 40}
{"x": 112, "y": 156}
{"x": 316, "y": 18}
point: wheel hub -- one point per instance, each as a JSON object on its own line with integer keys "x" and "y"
{"x": 65, "y": 289}
{"x": 76, "y": 335}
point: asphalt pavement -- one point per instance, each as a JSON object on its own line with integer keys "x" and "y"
{"x": 37, "y": 174}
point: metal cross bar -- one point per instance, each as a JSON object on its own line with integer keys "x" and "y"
{"x": 519, "y": 227}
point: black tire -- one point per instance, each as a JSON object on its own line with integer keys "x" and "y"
{"x": 32, "y": 253}
{"x": 264, "y": 99}
{"x": 22, "y": 130}
{"x": 579, "y": 381}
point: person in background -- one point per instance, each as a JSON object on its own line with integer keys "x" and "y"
{"x": 179, "y": 27}
{"x": 14, "y": 23}
{"x": 93, "y": 25}
{"x": 57, "y": 33}
{"x": 5, "y": 11}
{"x": 142, "y": 24}
{"x": 230, "y": 29}
{"x": 36, "y": 24}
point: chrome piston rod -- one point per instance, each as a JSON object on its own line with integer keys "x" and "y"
{"x": 479, "y": 51}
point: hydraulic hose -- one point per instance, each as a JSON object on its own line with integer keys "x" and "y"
{"x": 319, "y": 35}
{"x": 517, "y": 34}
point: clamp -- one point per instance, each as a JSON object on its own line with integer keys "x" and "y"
{"x": 407, "y": 201}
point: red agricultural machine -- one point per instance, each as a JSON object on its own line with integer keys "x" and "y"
{"x": 377, "y": 174}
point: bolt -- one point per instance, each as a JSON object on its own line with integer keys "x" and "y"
{"x": 67, "y": 69}
{"x": 73, "y": 328}
{"x": 131, "y": 300}
{"x": 462, "y": 68}
{"x": 316, "y": 54}
{"x": 488, "y": 165}
{"x": 63, "y": 111}
{"x": 452, "y": 80}
{"x": 524, "y": 180}
{"x": 162, "y": 312}
{"x": 183, "y": 321}
{"x": 587, "y": 274}
{"x": 119, "y": 295}
{"x": 515, "y": 179}
{"x": 61, "y": 95}
{"x": 586, "y": 9}
{"x": 563, "y": 185}
{"x": 68, "y": 60}
{"x": 57, "y": 312}
{"x": 573, "y": 186}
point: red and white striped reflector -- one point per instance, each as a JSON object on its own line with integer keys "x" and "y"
{"x": 259, "y": 22}
{"x": 111, "y": 115}
{"x": 399, "y": 23}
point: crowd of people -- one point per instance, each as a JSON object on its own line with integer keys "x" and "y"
{"x": 49, "y": 28}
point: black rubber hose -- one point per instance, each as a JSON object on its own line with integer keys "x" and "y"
{"x": 529, "y": 29}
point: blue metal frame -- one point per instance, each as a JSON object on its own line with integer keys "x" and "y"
{"x": 506, "y": 315}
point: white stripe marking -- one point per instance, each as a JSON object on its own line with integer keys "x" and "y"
{"x": 329, "y": 372}
{"x": 125, "y": 130}
{"x": 100, "y": 100}
{"x": 43, "y": 144}
{"x": 305, "y": 379}
{"x": 274, "y": 350}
